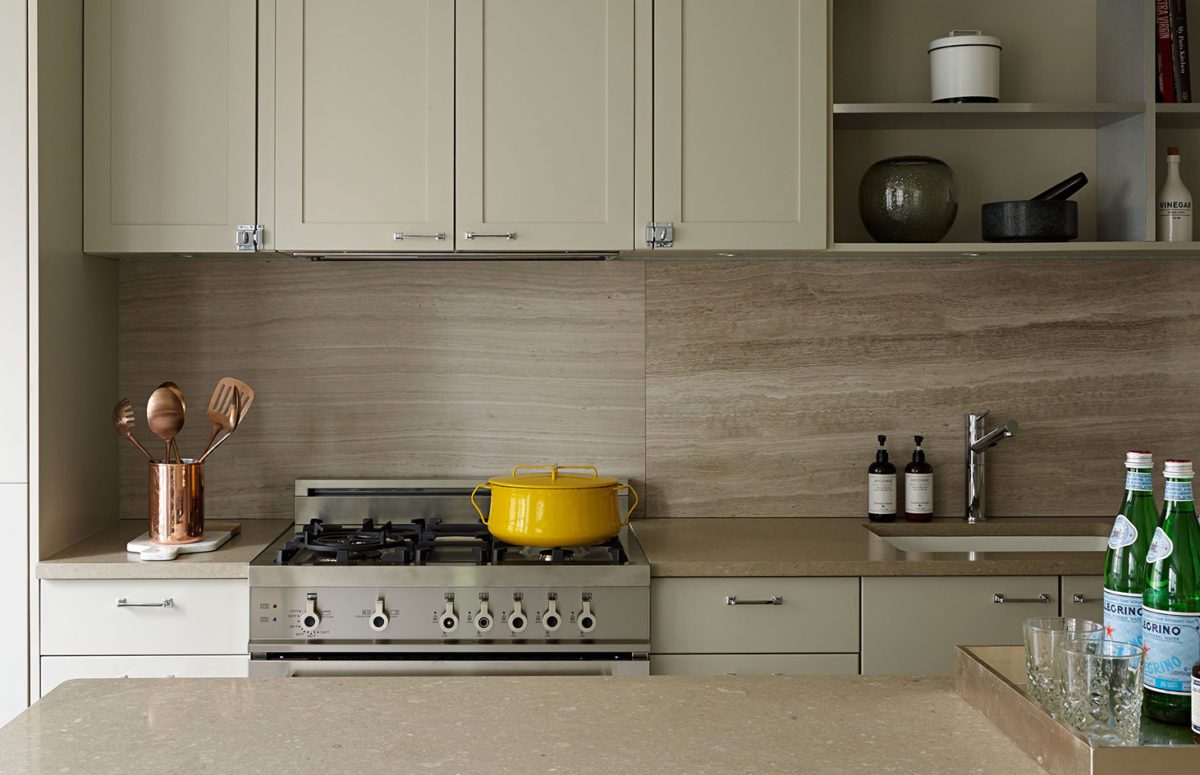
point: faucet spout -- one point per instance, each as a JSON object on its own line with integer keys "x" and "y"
{"x": 979, "y": 440}
{"x": 995, "y": 436}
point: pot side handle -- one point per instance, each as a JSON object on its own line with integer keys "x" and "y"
{"x": 478, "y": 510}
{"x": 629, "y": 514}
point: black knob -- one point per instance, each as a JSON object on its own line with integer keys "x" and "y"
{"x": 483, "y": 622}
{"x": 587, "y": 623}
{"x": 310, "y": 621}
{"x": 379, "y": 622}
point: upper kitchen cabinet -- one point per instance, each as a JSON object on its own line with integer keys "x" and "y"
{"x": 740, "y": 117}
{"x": 364, "y": 117}
{"x": 544, "y": 124}
{"x": 169, "y": 124}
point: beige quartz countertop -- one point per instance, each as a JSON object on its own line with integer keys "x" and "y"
{"x": 102, "y": 555}
{"x": 845, "y": 547}
{"x": 659, "y": 724}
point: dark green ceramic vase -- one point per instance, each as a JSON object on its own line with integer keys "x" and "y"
{"x": 908, "y": 199}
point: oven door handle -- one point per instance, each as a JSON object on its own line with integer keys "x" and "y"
{"x": 285, "y": 668}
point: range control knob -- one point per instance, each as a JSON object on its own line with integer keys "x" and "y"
{"x": 311, "y": 618}
{"x": 449, "y": 619}
{"x": 517, "y": 621}
{"x": 483, "y": 618}
{"x": 379, "y": 619}
{"x": 587, "y": 619}
{"x": 552, "y": 620}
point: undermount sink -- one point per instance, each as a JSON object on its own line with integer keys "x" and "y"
{"x": 998, "y": 543}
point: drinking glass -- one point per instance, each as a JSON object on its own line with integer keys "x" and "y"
{"x": 1101, "y": 686}
{"x": 1043, "y": 637}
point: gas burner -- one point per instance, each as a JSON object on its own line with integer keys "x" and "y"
{"x": 607, "y": 553}
{"x": 368, "y": 543}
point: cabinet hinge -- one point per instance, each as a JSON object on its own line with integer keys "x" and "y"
{"x": 660, "y": 234}
{"x": 249, "y": 237}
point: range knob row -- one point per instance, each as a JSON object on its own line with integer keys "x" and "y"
{"x": 448, "y": 621}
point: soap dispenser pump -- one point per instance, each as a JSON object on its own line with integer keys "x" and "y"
{"x": 918, "y": 486}
{"x": 881, "y": 486}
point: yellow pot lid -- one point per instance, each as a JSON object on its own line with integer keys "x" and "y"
{"x": 554, "y": 478}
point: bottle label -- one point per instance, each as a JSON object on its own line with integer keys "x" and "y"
{"x": 1196, "y": 705}
{"x": 1123, "y": 617}
{"x": 1160, "y": 546}
{"x": 1172, "y": 641}
{"x": 1124, "y": 533}
{"x": 918, "y": 493}
{"x": 1178, "y": 491}
{"x": 1138, "y": 481}
{"x": 881, "y": 493}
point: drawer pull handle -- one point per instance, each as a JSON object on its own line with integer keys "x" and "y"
{"x": 772, "y": 600}
{"x": 508, "y": 235}
{"x": 166, "y": 603}
{"x": 1000, "y": 598}
{"x": 1080, "y": 599}
{"x": 403, "y": 235}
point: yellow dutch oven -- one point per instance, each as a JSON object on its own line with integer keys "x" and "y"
{"x": 551, "y": 507}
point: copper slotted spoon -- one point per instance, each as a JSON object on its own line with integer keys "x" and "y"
{"x": 123, "y": 421}
{"x": 219, "y": 408}
{"x": 236, "y": 412}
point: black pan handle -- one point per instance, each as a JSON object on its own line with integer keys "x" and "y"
{"x": 1064, "y": 189}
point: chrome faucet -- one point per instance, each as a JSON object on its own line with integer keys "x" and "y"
{"x": 979, "y": 442}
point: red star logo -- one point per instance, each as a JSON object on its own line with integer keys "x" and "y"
{"x": 1109, "y": 631}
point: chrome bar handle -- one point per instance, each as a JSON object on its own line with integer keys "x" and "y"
{"x": 1000, "y": 598}
{"x": 508, "y": 235}
{"x": 772, "y": 600}
{"x": 403, "y": 235}
{"x": 1080, "y": 599}
{"x": 166, "y": 603}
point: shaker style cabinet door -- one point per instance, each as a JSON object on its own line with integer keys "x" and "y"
{"x": 740, "y": 117}
{"x": 364, "y": 117}
{"x": 544, "y": 119}
{"x": 169, "y": 124}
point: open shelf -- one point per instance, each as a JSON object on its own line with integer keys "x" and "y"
{"x": 995, "y": 115}
{"x": 1074, "y": 248}
{"x": 1177, "y": 115}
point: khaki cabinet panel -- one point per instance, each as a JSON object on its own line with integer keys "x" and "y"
{"x": 740, "y": 123}
{"x": 55, "y": 670}
{"x": 693, "y": 615}
{"x": 544, "y": 121}
{"x": 1083, "y": 597}
{"x": 911, "y": 625}
{"x": 754, "y": 664}
{"x": 364, "y": 117}
{"x": 169, "y": 124}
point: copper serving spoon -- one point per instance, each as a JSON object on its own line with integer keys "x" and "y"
{"x": 165, "y": 414}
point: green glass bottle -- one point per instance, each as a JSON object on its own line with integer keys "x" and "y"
{"x": 1171, "y": 602}
{"x": 1125, "y": 563}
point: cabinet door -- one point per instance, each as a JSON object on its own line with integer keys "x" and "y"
{"x": 1083, "y": 597}
{"x": 911, "y": 625}
{"x": 169, "y": 124}
{"x": 55, "y": 670}
{"x": 364, "y": 117}
{"x": 544, "y": 125}
{"x": 754, "y": 664}
{"x": 740, "y": 116}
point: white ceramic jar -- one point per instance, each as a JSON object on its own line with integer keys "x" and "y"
{"x": 965, "y": 67}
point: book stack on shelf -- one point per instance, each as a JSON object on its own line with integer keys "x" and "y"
{"x": 1172, "y": 65}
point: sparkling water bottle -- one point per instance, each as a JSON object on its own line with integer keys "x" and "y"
{"x": 1171, "y": 601}
{"x": 1125, "y": 564}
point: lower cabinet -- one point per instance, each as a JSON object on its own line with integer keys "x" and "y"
{"x": 55, "y": 670}
{"x": 911, "y": 625}
{"x": 1083, "y": 597}
{"x": 715, "y": 626}
{"x": 754, "y": 664}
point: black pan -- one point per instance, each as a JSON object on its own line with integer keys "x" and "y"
{"x": 1048, "y": 217}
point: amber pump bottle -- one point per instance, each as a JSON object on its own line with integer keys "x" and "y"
{"x": 881, "y": 486}
{"x": 918, "y": 486}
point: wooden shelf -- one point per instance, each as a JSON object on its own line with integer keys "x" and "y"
{"x": 1014, "y": 249}
{"x": 1177, "y": 115}
{"x": 987, "y": 115}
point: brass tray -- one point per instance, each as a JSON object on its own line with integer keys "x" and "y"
{"x": 992, "y": 680}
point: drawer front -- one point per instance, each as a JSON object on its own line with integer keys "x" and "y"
{"x": 55, "y": 670}
{"x": 754, "y": 664}
{"x": 1083, "y": 597}
{"x": 691, "y": 616}
{"x": 911, "y": 625}
{"x": 206, "y": 616}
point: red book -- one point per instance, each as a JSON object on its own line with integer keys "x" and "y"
{"x": 1165, "y": 65}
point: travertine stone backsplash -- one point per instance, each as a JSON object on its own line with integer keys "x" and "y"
{"x": 739, "y": 388}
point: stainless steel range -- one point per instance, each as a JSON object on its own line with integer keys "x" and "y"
{"x": 400, "y": 578}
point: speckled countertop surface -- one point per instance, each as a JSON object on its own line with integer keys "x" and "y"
{"x": 659, "y": 724}
{"x": 102, "y": 555}
{"x": 845, "y": 547}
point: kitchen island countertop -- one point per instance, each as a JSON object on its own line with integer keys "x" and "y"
{"x": 659, "y": 724}
{"x": 102, "y": 555}
{"x": 781, "y": 546}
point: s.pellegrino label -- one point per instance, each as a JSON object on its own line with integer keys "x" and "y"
{"x": 1138, "y": 481}
{"x": 1123, "y": 616}
{"x": 1172, "y": 642}
{"x": 1124, "y": 533}
{"x": 1178, "y": 491}
{"x": 1161, "y": 546}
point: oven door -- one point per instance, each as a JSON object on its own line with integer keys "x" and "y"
{"x": 295, "y": 665}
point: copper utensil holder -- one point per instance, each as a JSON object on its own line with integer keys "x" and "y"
{"x": 176, "y": 502}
